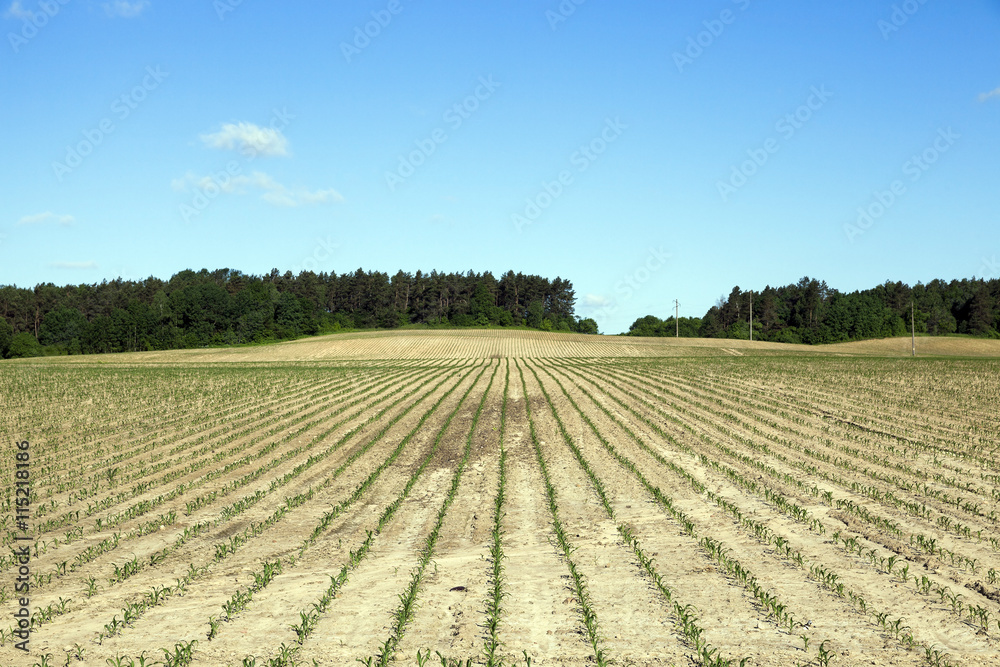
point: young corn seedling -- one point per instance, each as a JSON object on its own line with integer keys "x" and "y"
{"x": 44, "y": 661}
{"x": 78, "y": 652}
{"x": 213, "y": 627}
{"x": 182, "y": 655}
{"x": 285, "y": 658}
{"x": 496, "y": 576}
{"x": 823, "y": 655}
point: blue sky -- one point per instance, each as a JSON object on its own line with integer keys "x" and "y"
{"x": 647, "y": 151}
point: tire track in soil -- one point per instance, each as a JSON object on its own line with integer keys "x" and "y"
{"x": 356, "y": 623}
{"x": 634, "y": 620}
{"x": 450, "y": 607}
{"x": 537, "y": 620}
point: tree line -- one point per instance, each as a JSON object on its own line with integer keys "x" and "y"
{"x": 226, "y": 307}
{"x": 810, "y": 311}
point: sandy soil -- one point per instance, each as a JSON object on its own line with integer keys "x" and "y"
{"x": 718, "y": 430}
{"x": 496, "y": 343}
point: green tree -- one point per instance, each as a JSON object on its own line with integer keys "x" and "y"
{"x": 648, "y": 326}
{"x": 536, "y": 311}
{"x": 161, "y": 306}
{"x": 482, "y": 304}
{"x": 62, "y": 326}
{"x": 97, "y": 339}
{"x": 710, "y": 327}
{"x": 289, "y": 317}
{"x": 6, "y": 336}
{"x": 24, "y": 345}
{"x": 981, "y": 312}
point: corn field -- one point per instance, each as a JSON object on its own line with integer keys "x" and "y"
{"x": 504, "y": 500}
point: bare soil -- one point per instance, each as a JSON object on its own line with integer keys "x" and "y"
{"x": 801, "y": 463}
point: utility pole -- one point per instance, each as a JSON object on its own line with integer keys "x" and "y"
{"x": 677, "y": 322}
{"x": 913, "y": 334}
{"x": 751, "y": 316}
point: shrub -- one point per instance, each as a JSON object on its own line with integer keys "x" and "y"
{"x": 24, "y": 345}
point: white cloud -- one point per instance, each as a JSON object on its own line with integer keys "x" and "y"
{"x": 319, "y": 196}
{"x": 78, "y": 266}
{"x": 596, "y": 301}
{"x": 249, "y": 139}
{"x": 16, "y": 11}
{"x": 181, "y": 184}
{"x": 271, "y": 191}
{"x": 125, "y": 9}
{"x": 992, "y": 93}
{"x": 48, "y": 216}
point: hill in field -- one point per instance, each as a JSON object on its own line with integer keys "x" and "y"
{"x": 499, "y": 343}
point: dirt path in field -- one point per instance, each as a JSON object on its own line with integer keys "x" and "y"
{"x": 451, "y": 611}
{"x": 357, "y": 626}
{"x": 634, "y": 620}
{"x": 538, "y": 619}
